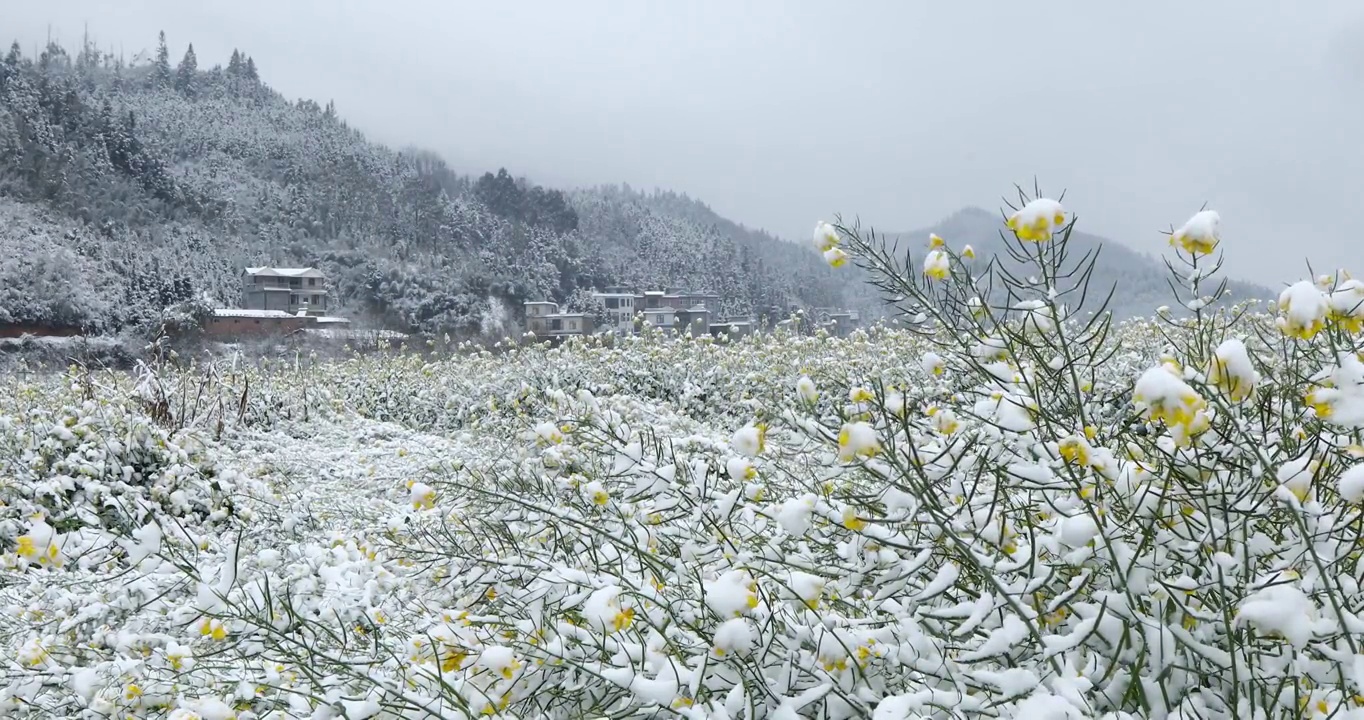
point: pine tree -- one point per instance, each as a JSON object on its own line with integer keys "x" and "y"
{"x": 251, "y": 73}
{"x": 234, "y": 66}
{"x": 184, "y": 74}
{"x": 161, "y": 70}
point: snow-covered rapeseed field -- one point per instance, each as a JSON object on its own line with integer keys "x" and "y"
{"x": 1006, "y": 507}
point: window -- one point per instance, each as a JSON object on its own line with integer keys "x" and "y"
{"x": 317, "y": 299}
{"x": 293, "y": 299}
{"x": 611, "y": 303}
{"x": 556, "y": 324}
{"x": 312, "y": 282}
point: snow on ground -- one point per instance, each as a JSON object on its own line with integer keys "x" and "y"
{"x": 349, "y": 474}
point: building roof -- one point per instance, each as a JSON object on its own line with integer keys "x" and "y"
{"x": 613, "y": 294}
{"x": 333, "y": 321}
{"x": 284, "y": 272}
{"x": 539, "y": 302}
{"x": 244, "y": 313}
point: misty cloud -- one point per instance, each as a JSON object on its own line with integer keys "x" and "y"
{"x": 779, "y": 113}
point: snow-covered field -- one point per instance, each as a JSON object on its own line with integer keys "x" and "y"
{"x": 1018, "y": 515}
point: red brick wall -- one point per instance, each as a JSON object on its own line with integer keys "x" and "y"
{"x": 14, "y": 330}
{"x": 249, "y": 326}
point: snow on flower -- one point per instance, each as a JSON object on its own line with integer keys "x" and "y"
{"x": 944, "y": 420}
{"x": 1347, "y": 305}
{"x": 932, "y": 363}
{"x": 733, "y": 637}
{"x": 1303, "y": 310}
{"x": 500, "y": 660}
{"x": 750, "y": 440}
{"x": 603, "y": 611}
{"x": 937, "y": 265}
{"x": 1281, "y": 610}
{"x": 795, "y": 515}
{"x": 836, "y": 257}
{"x": 740, "y": 469}
{"x": 1338, "y": 394}
{"x": 1076, "y": 450}
{"x": 856, "y": 440}
{"x": 732, "y": 594}
{"x": 805, "y": 389}
{"x": 1351, "y": 484}
{"x": 1200, "y": 234}
{"x": 1037, "y": 316}
{"x": 968, "y": 252}
{"x": 548, "y": 433}
{"x": 1037, "y": 220}
{"x": 1296, "y": 476}
{"x": 41, "y": 545}
{"x": 808, "y": 588}
{"x": 1077, "y": 530}
{"x": 422, "y": 495}
{"x": 1231, "y": 371}
{"x": 826, "y": 237}
{"x": 1166, "y": 398}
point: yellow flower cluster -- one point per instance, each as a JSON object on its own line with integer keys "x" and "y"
{"x": 1037, "y": 220}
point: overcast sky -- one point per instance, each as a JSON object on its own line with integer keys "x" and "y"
{"x": 778, "y": 113}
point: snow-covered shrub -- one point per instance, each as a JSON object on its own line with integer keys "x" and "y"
{"x": 1009, "y": 507}
{"x": 88, "y": 463}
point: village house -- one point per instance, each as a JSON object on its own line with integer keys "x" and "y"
{"x": 288, "y": 290}
{"x": 660, "y": 317}
{"x": 543, "y": 319}
{"x": 618, "y": 305}
{"x": 843, "y": 323}
{"x": 659, "y": 308}
{"x": 695, "y": 320}
{"x": 277, "y": 301}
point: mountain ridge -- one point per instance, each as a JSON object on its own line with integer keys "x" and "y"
{"x": 145, "y": 185}
{"x": 1139, "y": 279}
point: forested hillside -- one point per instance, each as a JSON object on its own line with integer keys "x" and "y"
{"x": 128, "y": 187}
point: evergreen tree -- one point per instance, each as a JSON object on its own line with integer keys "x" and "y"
{"x": 251, "y": 73}
{"x": 234, "y": 66}
{"x": 184, "y": 74}
{"x": 161, "y": 69}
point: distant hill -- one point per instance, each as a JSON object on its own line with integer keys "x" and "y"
{"x": 1140, "y": 280}
{"x": 127, "y": 188}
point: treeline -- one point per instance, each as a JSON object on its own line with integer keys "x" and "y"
{"x": 151, "y": 182}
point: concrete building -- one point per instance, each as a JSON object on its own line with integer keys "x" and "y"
{"x": 619, "y": 307}
{"x": 843, "y": 323}
{"x": 287, "y": 290}
{"x": 544, "y": 320}
{"x": 695, "y": 320}
{"x": 662, "y": 318}
{"x": 685, "y": 300}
